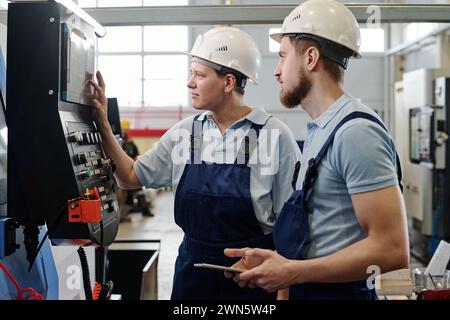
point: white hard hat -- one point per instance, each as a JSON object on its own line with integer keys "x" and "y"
{"x": 326, "y": 19}
{"x": 231, "y": 48}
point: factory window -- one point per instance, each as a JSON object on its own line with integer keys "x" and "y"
{"x": 123, "y": 79}
{"x": 372, "y": 40}
{"x": 165, "y": 2}
{"x": 87, "y": 3}
{"x": 412, "y": 31}
{"x": 141, "y": 68}
{"x": 165, "y": 38}
{"x": 121, "y": 39}
{"x": 165, "y": 80}
{"x": 130, "y": 3}
{"x": 4, "y": 4}
{"x": 4, "y": 135}
{"x": 119, "y": 3}
{"x": 273, "y": 45}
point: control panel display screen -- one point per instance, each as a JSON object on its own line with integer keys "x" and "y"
{"x": 420, "y": 140}
{"x": 78, "y": 61}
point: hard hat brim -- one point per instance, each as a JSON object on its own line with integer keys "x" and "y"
{"x": 278, "y": 36}
{"x": 201, "y": 58}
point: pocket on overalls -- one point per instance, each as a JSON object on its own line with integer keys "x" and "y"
{"x": 220, "y": 218}
{"x": 291, "y": 231}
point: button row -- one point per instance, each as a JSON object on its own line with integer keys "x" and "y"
{"x": 110, "y": 206}
{"x": 86, "y": 137}
{"x": 85, "y": 174}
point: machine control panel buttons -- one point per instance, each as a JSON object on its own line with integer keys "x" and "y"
{"x": 82, "y": 158}
{"x": 85, "y": 174}
{"x": 113, "y": 206}
{"x": 106, "y": 161}
{"x": 76, "y": 136}
{"x": 85, "y": 137}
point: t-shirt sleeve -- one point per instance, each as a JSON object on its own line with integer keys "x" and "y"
{"x": 364, "y": 155}
{"x": 154, "y": 168}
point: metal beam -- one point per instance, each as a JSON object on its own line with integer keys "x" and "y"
{"x": 254, "y": 14}
{"x": 258, "y": 14}
{"x": 191, "y": 15}
{"x": 407, "y": 45}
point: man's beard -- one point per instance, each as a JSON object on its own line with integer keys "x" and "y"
{"x": 291, "y": 99}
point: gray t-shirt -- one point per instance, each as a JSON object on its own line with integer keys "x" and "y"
{"x": 362, "y": 158}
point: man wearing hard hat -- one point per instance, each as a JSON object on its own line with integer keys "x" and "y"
{"x": 347, "y": 216}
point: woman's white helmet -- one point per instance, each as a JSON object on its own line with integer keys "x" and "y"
{"x": 326, "y": 19}
{"x": 231, "y": 48}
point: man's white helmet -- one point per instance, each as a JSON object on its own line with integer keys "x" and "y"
{"x": 231, "y": 48}
{"x": 326, "y": 19}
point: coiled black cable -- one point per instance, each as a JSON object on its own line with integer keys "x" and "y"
{"x": 85, "y": 271}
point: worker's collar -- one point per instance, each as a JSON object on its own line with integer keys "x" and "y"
{"x": 256, "y": 116}
{"x": 326, "y": 117}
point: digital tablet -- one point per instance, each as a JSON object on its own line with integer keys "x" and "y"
{"x": 217, "y": 267}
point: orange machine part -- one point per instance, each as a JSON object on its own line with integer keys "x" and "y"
{"x": 86, "y": 211}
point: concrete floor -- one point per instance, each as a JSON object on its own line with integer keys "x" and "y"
{"x": 160, "y": 227}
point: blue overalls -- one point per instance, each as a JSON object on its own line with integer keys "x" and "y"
{"x": 214, "y": 208}
{"x": 291, "y": 230}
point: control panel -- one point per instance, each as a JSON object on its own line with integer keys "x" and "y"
{"x": 58, "y": 173}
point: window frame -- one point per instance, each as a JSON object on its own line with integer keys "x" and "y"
{"x": 142, "y": 54}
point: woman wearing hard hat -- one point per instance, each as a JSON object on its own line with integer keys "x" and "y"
{"x": 227, "y": 196}
{"x": 347, "y": 219}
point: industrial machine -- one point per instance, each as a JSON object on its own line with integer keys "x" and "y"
{"x": 422, "y": 128}
{"x": 58, "y": 174}
{"x": 43, "y": 277}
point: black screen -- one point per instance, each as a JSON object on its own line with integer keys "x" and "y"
{"x": 78, "y": 64}
{"x": 114, "y": 116}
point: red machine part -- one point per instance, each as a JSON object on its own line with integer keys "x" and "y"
{"x": 86, "y": 210}
{"x": 437, "y": 294}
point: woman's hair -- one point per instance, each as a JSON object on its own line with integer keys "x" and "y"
{"x": 241, "y": 80}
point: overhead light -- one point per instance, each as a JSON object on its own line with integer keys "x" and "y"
{"x": 70, "y": 5}
{"x": 4, "y": 4}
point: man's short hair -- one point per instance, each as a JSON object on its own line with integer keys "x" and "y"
{"x": 335, "y": 71}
